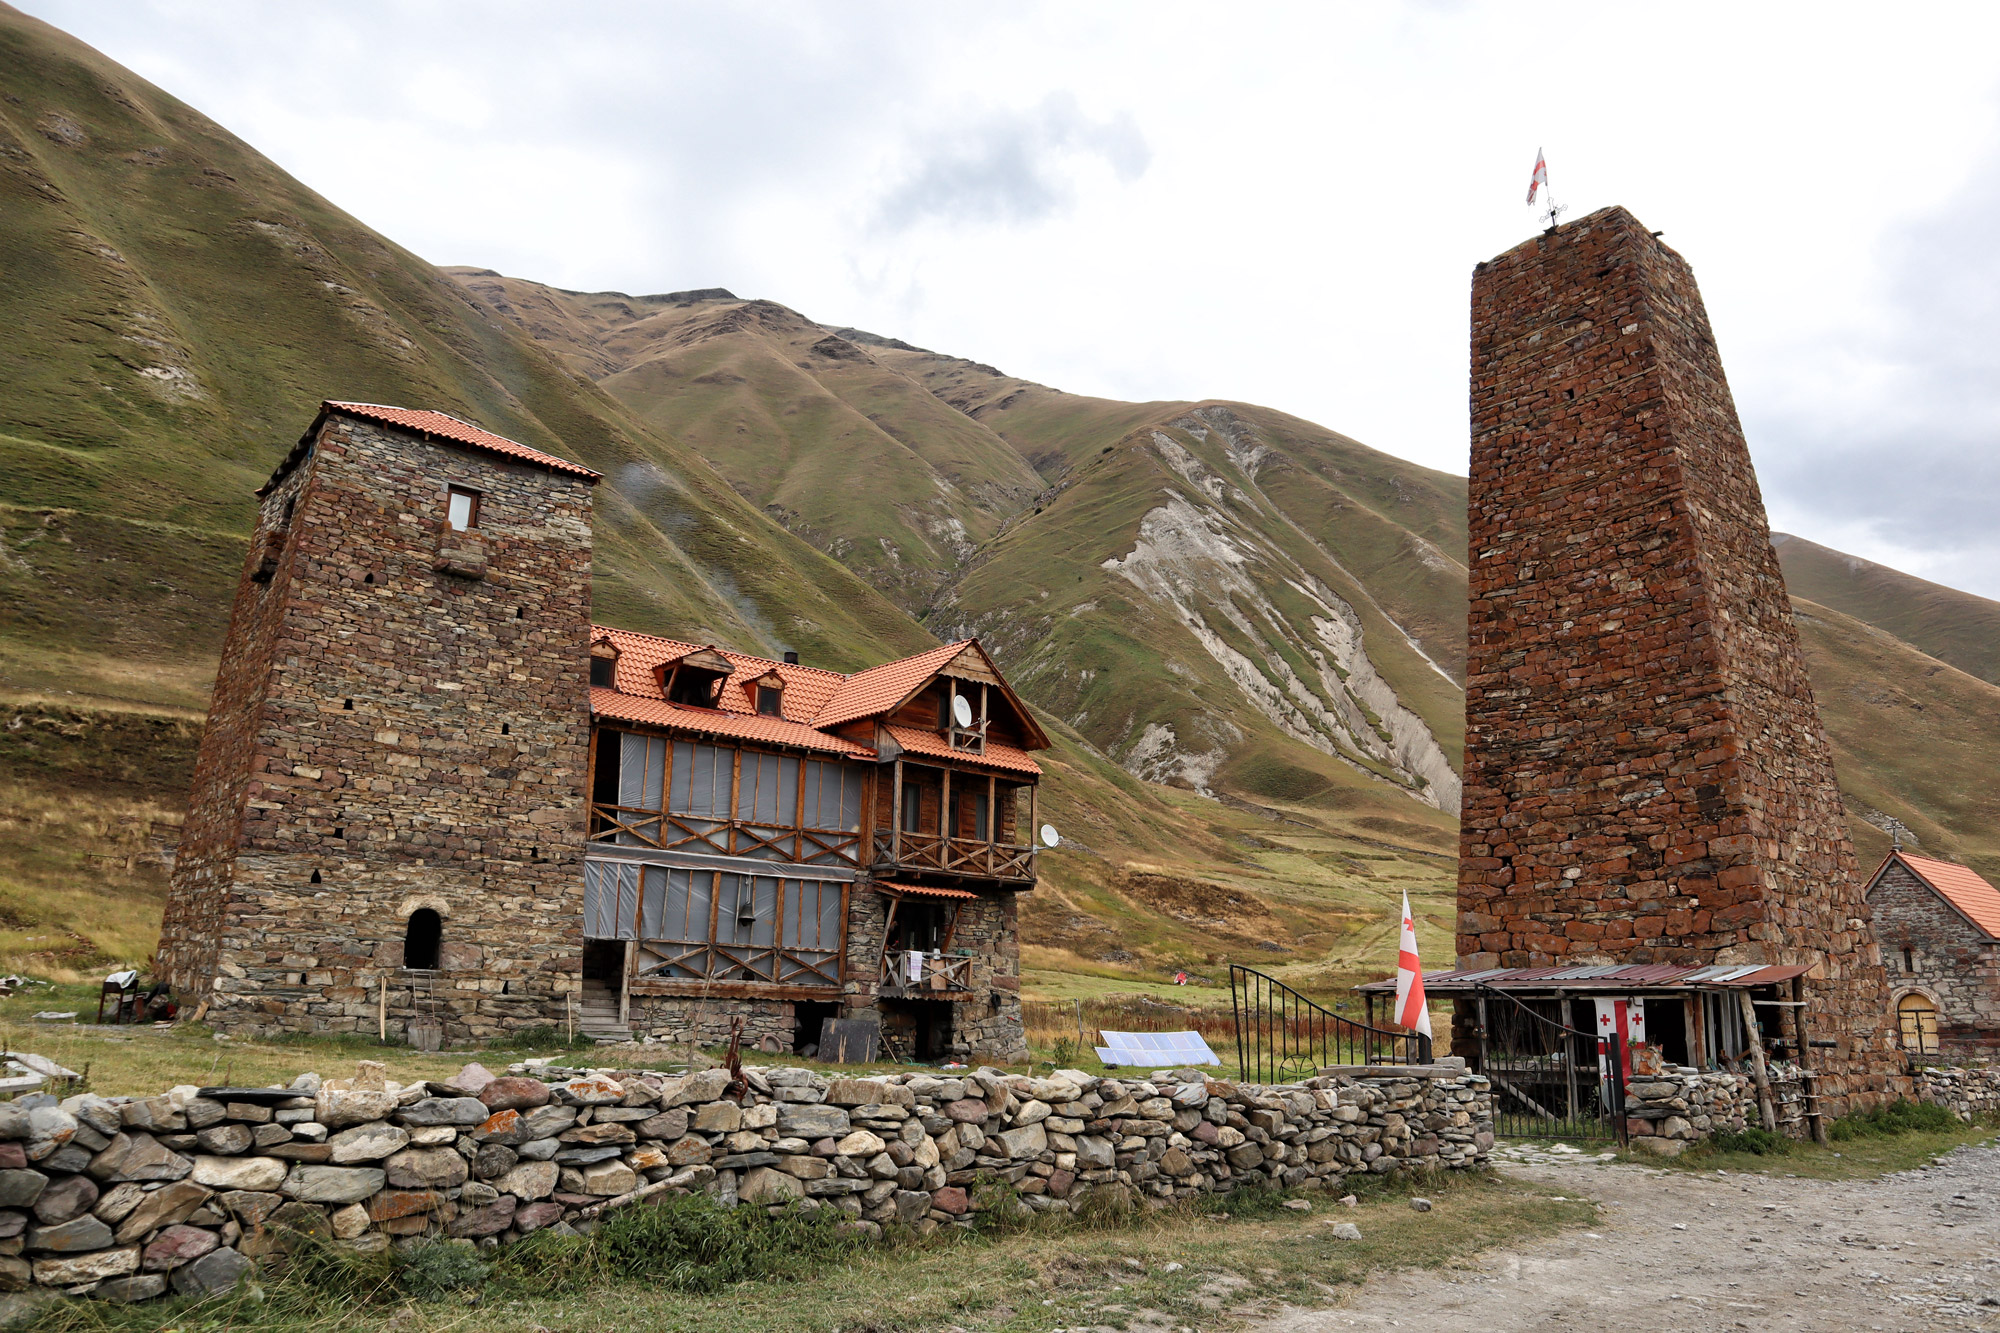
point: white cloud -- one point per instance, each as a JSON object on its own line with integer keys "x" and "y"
{"x": 1174, "y": 200}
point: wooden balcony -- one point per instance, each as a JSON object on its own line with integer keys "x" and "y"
{"x": 970, "y": 858}
{"x": 914, "y": 975}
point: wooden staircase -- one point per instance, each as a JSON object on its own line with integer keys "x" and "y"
{"x": 597, "y": 1013}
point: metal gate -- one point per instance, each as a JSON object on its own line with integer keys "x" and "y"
{"x": 1282, "y": 1037}
{"x": 1550, "y": 1080}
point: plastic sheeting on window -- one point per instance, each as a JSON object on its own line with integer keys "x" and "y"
{"x": 767, "y": 789}
{"x": 812, "y": 914}
{"x": 748, "y": 912}
{"x": 833, "y": 795}
{"x": 642, "y": 766}
{"x": 701, "y": 782}
{"x": 610, "y": 900}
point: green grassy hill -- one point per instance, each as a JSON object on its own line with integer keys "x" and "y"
{"x": 1952, "y": 626}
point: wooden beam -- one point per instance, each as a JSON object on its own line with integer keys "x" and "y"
{"x": 751, "y": 990}
{"x": 1758, "y": 1071}
{"x": 735, "y": 782}
{"x": 896, "y": 818}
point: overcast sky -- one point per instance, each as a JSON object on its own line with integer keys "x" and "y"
{"x": 1277, "y": 204}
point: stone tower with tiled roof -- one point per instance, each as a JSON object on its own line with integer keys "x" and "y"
{"x": 385, "y": 825}
{"x": 1646, "y": 777}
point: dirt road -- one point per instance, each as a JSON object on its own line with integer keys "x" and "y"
{"x": 1678, "y": 1252}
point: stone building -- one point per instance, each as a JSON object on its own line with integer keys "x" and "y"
{"x": 1939, "y": 924}
{"x": 1646, "y": 777}
{"x": 433, "y": 800}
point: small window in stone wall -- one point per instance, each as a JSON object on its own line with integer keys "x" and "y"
{"x": 421, "y": 939}
{"x": 462, "y": 509}
{"x": 1909, "y": 959}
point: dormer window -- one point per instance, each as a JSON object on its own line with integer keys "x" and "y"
{"x": 461, "y": 509}
{"x": 767, "y": 692}
{"x": 603, "y": 666}
{"x": 695, "y": 679}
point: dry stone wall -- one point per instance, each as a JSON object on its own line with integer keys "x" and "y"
{"x": 1669, "y": 1112}
{"x": 129, "y": 1198}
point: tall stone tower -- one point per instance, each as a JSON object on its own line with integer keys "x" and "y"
{"x": 1646, "y": 777}
{"x": 387, "y": 815}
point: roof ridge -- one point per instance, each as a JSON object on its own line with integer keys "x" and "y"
{"x": 663, "y": 638}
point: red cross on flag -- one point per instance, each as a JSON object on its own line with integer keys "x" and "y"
{"x": 1411, "y": 1011}
{"x": 1540, "y": 179}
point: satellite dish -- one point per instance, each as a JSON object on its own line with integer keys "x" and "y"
{"x": 1049, "y": 838}
{"x": 961, "y": 710}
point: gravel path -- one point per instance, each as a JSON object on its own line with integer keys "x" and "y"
{"x": 1679, "y": 1252}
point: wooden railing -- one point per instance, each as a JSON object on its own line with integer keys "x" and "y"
{"x": 973, "y": 857}
{"x": 724, "y": 837}
{"x": 937, "y": 975}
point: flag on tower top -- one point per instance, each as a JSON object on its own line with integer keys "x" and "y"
{"x": 1540, "y": 179}
{"x": 1411, "y": 1011}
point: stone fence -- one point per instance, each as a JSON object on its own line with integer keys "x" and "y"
{"x": 1667, "y": 1112}
{"x": 125, "y": 1198}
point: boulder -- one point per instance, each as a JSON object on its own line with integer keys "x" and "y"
{"x": 596, "y": 1136}
{"x": 250, "y": 1207}
{"x": 514, "y": 1094}
{"x": 764, "y": 1185}
{"x": 590, "y": 1090}
{"x": 21, "y": 1189}
{"x": 258, "y": 1174}
{"x": 130, "y": 1290}
{"x": 73, "y": 1271}
{"x": 705, "y": 1086}
{"x": 152, "y": 1113}
{"x": 212, "y": 1273}
{"x": 544, "y": 1121}
{"x": 337, "y": 1109}
{"x": 71, "y": 1196}
{"x": 529, "y": 1181}
{"x": 71, "y": 1237}
{"x": 333, "y": 1184}
{"x": 135, "y": 1156}
{"x": 493, "y": 1160}
{"x": 367, "y": 1143}
{"x": 15, "y": 1275}
{"x": 861, "y": 1143}
{"x": 349, "y": 1222}
{"x": 488, "y": 1220}
{"x": 1025, "y": 1143}
{"x": 13, "y": 1120}
{"x": 117, "y": 1202}
{"x": 967, "y": 1110}
{"x": 444, "y": 1111}
{"x": 176, "y": 1246}
{"x": 392, "y": 1204}
{"x": 471, "y": 1080}
{"x": 951, "y": 1199}
{"x": 609, "y": 1178}
{"x": 667, "y": 1125}
{"x": 530, "y": 1217}
{"x": 162, "y": 1208}
{"x": 13, "y": 1157}
{"x": 100, "y": 1114}
{"x": 503, "y": 1127}
{"x": 811, "y": 1120}
{"x": 718, "y": 1118}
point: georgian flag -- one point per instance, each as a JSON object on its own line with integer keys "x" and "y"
{"x": 1540, "y": 179}
{"x": 1411, "y": 1011}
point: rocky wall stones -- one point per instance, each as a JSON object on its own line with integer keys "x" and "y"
{"x": 918, "y": 1150}
{"x": 1936, "y": 952}
{"x": 1646, "y": 777}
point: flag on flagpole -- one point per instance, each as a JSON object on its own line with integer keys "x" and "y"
{"x": 1540, "y": 179}
{"x": 1411, "y": 1011}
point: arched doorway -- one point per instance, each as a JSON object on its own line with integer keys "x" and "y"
{"x": 421, "y": 939}
{"x": 1916, "y": 1019}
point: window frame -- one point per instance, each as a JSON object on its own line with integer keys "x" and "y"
{"x": 474, "y": 501}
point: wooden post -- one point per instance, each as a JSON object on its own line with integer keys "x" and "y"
{"x": 1757, "y": 1068}
{"x": 625, "y": 982}
{"x": 896, "y": 818}
{"x": 1034, "y": 825}
{"x": 992, "y": 811}
{"x": 945, "y": 822}
{"x": 1696, "y": 1045}
{"x": 382, "y": 1010}
{"x": 735, "y": 783}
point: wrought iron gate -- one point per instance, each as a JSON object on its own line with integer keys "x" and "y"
{"x": 1550, "y": 1080}
{"x": 1281, "y": 1036}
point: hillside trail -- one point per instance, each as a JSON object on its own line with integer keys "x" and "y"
{"x": 1676, "y": 1251}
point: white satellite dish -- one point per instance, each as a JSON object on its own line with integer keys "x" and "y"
{"x": 1049, "y": 838}
{"x": 961, "y": 710}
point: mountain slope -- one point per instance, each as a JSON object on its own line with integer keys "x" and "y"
{"x": 1952, "y": 626}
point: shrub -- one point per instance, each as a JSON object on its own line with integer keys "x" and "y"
{"x": 1755, "y": 1139}
{"x": 1899, "y": 1117}
{"x": 441, "y": 1269}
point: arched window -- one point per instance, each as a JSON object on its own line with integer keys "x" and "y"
{"x": 420, "y": 940}
{"x": 1916, "y": 1017}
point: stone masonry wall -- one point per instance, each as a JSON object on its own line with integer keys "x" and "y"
{"x": 401, "y": 722}
{"x": 1969, "y": 1091}
{"x": 1646, "y": 778}
{"x": 124, "y": 1198}
{"x": 1951, "y": 961}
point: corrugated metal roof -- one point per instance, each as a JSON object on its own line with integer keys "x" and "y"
{"x": 1603, "y": 976}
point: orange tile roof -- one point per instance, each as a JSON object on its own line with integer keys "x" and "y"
{"x": 443, "y": 427}
{"x": 621, "y": 707}
{"x": 878, "y": 689}
{"x": 813, "y": 700}
{"x": 1960, "y": 886}
{"x": 918, "y": 741}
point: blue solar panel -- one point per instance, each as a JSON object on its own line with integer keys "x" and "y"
{"x": 1158, "y": 1050}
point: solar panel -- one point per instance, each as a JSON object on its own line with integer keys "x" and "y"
{"x": 1158, "y": 1050}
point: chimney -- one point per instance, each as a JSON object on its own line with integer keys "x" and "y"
{"x": 791, "y": 658}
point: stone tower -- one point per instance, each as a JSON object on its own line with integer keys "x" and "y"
{"x": 1646, "y": 778}
{"x": 387, "y": 815}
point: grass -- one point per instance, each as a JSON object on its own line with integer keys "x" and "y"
{"x": 1203, "y": 1264}
{"x": 1865, "y": 1145}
